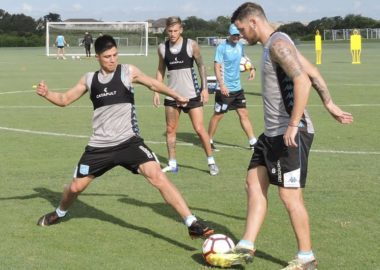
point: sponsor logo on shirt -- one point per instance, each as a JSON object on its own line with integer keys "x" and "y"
{"x": 176, "y": 62}
{"x": 106, "y": 93}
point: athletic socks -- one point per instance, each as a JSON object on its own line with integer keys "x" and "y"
{"x": 252, "y": 141}
{"x": 210, "y": 160}
{"x": 172, "y": 163}
{"x": 189, "y": 220}
{"x": 306, "y": 256}
{"x": 246, "y": 244}
{"x": 60, "y": 212}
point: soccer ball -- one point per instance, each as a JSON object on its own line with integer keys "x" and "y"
{"x": 216, "y": 243}
{"x": 245, "y": 64}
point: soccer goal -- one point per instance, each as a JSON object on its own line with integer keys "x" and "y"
{"x": 131, "y": 37}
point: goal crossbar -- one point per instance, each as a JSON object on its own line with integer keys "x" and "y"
{"x": 133, "y": 34}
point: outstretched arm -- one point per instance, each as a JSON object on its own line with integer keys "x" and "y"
{"x": 320, "y": 86}
{"x": 137, "y": 76}
{"x": 65, "y": 98}
{"x": 202, "y": 71}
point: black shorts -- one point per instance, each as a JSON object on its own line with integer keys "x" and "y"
{"x": 234, "y": 101}
{"x": 286, "y": 166}
{"x": 129, "y": 154}
{"x": 193, "y": 103}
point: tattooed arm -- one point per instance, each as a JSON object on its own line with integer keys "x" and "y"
{"x": 320, "y": 86}
{"x": 285, "y": 55}
{"x": 202, "y": 70}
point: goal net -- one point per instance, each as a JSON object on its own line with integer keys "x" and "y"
{"x": 131, "y": 37}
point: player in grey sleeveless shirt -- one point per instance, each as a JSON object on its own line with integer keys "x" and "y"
{"x": 115, "y": 140}
{"x": 281, "y": 153}
{"x": 177, "y": 55}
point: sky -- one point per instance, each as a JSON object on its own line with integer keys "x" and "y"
{"x": 142, "y": 10}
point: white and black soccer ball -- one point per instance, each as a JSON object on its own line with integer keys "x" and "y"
{"x": 245, "y": 64}
{"x": 216, "y": 244}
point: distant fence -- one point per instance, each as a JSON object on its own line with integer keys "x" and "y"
{"x": 344, "y": 34}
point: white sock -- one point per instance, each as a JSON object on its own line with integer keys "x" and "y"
{"x": 60, "y": 212}
{"x": 210, "y": 160}
{"x": 246, "y": 244}
{"x": 189, "y": 220}
{"x": 172, "y": 163}
{"x": 306, "y": 256}
{"x": 252, "y": 140}
{"x": 211, "y": 141}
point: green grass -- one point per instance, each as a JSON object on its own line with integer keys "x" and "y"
{"x": 120, "y": 222}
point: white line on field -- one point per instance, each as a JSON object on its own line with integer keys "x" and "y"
{"x": 181, "y": 143}
{"x": 151, "y": 106}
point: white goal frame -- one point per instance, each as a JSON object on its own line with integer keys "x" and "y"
{"x": 102, "y": 28}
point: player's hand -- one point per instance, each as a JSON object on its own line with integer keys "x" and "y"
{"x": 290, "y": 136}
{"x": 339, "y": 115}
{"x": 181, "y": 101}
{"x": 42, "y": 89}
{"x": 204, "y": 95}
{"x": 224, "y": 91}
{"x": 252, "y": 74}
{"x": 156, "y": 100}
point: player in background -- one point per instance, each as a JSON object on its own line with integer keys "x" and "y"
{"x": 177, "y": 55}
{"x": 115, "y": 140}
{"x": 230, "y": 94}
{"x": 60, "y": 42}
{"x": 281, "y": 153}
{"x": 87, "y": 42}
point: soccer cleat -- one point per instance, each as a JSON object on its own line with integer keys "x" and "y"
{"x": 252, "y": 147}
{"x": 213, "y": 148}
{"x": 297, "y": 264}
{"x": 199, "y": 230}
{"x": 214, "y": 170}
{"x": 170, "y": 169}
{"x": 48, "y": 219}
{"x": 244, "y": 253}
{"x": 224, "y": 259}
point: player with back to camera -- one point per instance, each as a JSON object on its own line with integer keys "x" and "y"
{"x": 177, "y": 55}
{"x": 115, "y": 140}
{"x": 281, "y": 153}
{"x": 60, "y": 42}
{"x": 230, "y": 94}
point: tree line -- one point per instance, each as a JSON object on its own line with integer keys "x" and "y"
{"x": 19, "y": 30}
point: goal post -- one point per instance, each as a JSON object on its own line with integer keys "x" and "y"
{"x": 131, "y": 37}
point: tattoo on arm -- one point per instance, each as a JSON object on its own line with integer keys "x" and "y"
{"x": 201, "y": 66}
{"x": 321, "y": 88}
{"x": 283, "y": 53}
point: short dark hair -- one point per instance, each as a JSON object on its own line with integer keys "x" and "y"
{"x": 104, "y": 43}
{"x": 247, "y": 9}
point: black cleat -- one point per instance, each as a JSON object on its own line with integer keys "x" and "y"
{"x": 199, "y": 230}
{"x": 213, "y": 148}
{"x": 48, "y": 219}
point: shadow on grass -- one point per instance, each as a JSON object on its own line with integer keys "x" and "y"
{"x": 83, "y": 210}
{"x": 164, "y": 161}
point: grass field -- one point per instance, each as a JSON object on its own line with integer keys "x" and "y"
{"x": 120, "y": 222}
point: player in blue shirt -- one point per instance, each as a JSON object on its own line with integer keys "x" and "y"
{"x": 60, "y": 42}
{"x": 230, "y": 94}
